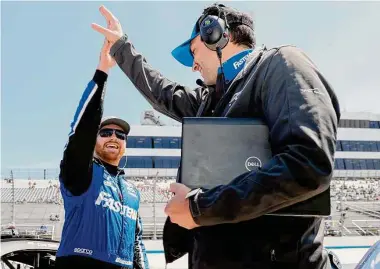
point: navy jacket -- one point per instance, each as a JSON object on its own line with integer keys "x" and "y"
{"x": 285, "y": 89}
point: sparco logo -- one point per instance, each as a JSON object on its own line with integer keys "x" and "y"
{"x": 252, "y": 163}
{"x": 123, "y": 261}
{"x": 83, "y": 250}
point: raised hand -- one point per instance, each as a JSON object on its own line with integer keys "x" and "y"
{"x": 113, "y": 32}
{"x": 106, "y": 61}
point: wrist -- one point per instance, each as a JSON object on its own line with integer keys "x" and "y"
{"x": 192, "y": 197}
{"x": 100, "y": 77}
{"x": 118, "y": 44}
{"x": 103, "y": 67}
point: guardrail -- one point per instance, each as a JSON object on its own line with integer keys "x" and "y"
{"x": 360, "y": 227}
{"x": 153, "y": 231}
{"x": 29, "y": 230}
{"x": 372, "y": 227}
{"x": 364, "y": 211}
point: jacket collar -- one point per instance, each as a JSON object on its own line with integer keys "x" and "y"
{"x": 251, "y": 61}
{"x": 234, "y": 65}
{"x": 111, "y": 169}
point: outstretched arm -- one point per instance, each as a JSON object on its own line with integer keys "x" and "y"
{"x": 76, "y": 165}
{"x": 168, "y": 97}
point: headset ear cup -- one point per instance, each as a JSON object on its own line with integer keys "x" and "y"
{"x": 209, "y": 30}
{"x": 223, "y": 41}
{"x": 225, "y": 38}
{"x": 213, "y": 32}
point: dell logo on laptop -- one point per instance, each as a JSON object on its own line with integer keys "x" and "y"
{"x": 252, "y": 163}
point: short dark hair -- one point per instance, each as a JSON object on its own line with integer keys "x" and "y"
{"x": 241, "y": 24}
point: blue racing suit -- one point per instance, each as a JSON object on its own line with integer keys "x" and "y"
{"x": 101, "y": 208}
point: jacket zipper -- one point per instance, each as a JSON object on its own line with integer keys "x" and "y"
{"x": 273, "y": 255}
{"x": 122, "y": 220}
{"x": 219, "y": 104}
{"x": 225, "y": 95}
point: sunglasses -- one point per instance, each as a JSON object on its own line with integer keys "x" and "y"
{"x": 109, "y": 132}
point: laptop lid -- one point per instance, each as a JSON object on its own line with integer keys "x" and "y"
{"x": 217, "y": 150}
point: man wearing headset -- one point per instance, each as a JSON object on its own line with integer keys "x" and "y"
{"x": 102, "y": 228}
{"x": 227, "y": 225}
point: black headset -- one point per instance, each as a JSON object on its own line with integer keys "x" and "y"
{"x": 214, "y": 30}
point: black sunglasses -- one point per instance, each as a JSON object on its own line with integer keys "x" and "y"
{"x": 109, "y": 132}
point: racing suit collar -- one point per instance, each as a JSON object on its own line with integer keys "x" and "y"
{"x": 111, "y": 169}
{"x": 234, "y": 65}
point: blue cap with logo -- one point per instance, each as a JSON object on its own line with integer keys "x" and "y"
{"x": 182, "y": 53}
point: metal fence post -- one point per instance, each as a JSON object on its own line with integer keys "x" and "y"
{"x": 154, "y": 208}
{"x": 13, "y": 200}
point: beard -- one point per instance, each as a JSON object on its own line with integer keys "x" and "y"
{"x": 108, "y": 155}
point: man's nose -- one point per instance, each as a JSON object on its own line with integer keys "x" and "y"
{"x": 113, "y": 136}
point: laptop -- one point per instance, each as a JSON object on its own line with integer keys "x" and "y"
{"x": 217, "y": 150}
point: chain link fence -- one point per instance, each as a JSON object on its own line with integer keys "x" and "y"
{"x": 33, "y": 197}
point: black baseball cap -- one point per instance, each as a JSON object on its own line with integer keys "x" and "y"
{"x": 117, "y": 121}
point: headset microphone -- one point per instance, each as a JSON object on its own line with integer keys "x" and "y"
{"x": 201, "y": 83}
{"x": 219, "y": 53}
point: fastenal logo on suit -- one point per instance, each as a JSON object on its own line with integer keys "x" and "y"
{"x": 252, "y": 163}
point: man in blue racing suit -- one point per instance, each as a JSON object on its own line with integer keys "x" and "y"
{"x": 102, "y": 227}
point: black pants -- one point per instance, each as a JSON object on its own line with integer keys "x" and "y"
{"x": 81, "y": 262}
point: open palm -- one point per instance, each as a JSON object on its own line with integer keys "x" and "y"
{"x": 113, "y": 32}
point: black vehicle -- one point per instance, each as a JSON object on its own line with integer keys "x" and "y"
{"x": 23, "y": 252}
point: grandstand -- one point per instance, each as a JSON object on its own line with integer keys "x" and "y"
{"x": 151, "y": 162}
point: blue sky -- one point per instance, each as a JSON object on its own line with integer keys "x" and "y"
{"x": 49, "y": 53}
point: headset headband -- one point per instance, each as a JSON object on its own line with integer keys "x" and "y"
{"x": 214, "y": 30}
{"x": 243, "y": 20}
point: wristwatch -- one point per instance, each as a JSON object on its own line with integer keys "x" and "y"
{"x": 193, "y": 201}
